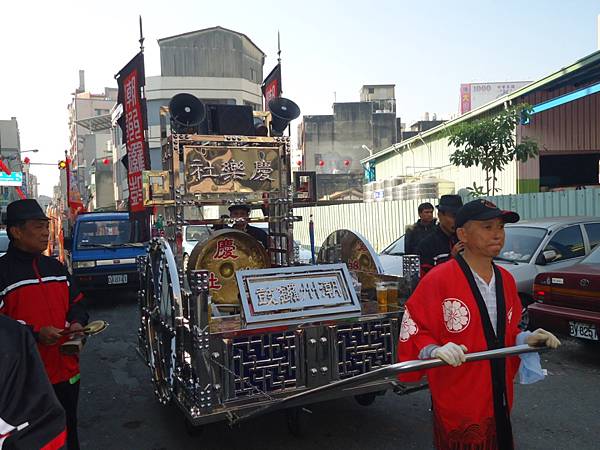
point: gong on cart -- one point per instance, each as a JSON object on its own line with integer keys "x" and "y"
{"x": 222, "y": 254}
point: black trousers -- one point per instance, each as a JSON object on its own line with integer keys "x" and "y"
{"x": 68, "y": 395}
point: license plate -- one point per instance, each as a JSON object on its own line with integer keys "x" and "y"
{"x": 583, "y": 330}
{"x": 117, "y": 279}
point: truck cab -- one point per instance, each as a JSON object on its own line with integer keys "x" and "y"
{"x": 102, "y": 254}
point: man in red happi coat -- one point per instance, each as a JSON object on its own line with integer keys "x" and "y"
{"x": 469, "y": 304}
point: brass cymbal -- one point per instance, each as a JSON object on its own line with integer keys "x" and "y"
{"x": 222, "y": 254}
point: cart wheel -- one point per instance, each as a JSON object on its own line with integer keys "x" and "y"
{"x": 297, "y": 421}
{"x": 193, "y": 430}
{"x": 365, "y": 399}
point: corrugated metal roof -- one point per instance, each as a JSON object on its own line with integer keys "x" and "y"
{"x": 558, "y": 77}
{"x": 205, "y": 30}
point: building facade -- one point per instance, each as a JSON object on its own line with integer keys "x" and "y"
{"x": 10, "y": 154}
{"x": 217, "y": 65}
{"x": 564, "y": 123}
{"x": 87, "y": 140}
{"x": 335, "y": 144}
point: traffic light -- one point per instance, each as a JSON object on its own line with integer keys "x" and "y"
{"x": 62, "y": 165}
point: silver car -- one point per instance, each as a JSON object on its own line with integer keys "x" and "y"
{"x": 531, "y": 247}
{"x": 3, "y": 242}
{"x": 544, "y": 245}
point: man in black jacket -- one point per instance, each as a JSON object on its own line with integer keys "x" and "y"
{"x": 30, "y": 414}
{"x": 240, "y": 214}
{"x": 442, "y": 243}
{"x": 420, "y": 229}
{"x": 39, "y": 292}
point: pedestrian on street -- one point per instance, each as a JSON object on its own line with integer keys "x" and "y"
{"x": 240, "y": 214}
{"x": 441, "y": 244}
{"x": 38, "y": 291}
{"x": 470, "y": 305}
{"x": 420, "y": 229}
{"x": 30, "y": 414}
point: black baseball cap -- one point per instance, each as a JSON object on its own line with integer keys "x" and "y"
{"x": 240, "y": 206}
{"x": 483, "y": 210}
{"x": 27, "y": 209}
{"x": 449, "y": 203}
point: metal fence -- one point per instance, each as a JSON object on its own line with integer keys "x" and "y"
{"x": 383, "y": 222}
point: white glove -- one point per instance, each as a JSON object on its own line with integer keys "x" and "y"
{"x": 450, "y": 353}
{"x": 541, "y": 337}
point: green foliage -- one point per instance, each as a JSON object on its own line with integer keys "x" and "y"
{"x": 490, "y": 143}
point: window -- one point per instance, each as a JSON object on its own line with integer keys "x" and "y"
{"x": 103, "y": 233}
{"x": 521, "y": 243}
{"x": 371, "y": 90}
{"x": 593, "y": 232}
{"x": 567, "y": 243}
{"x": 196, "y": 232}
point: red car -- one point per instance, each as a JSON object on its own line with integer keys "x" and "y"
{"x": 568, "y": 301}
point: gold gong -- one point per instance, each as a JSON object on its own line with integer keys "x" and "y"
{"x": 222, "y": 254}
{"x": 351, "y": 248}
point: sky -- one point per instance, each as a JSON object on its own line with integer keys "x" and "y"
{"x": 329, "y": 50}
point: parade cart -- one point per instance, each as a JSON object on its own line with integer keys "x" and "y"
{"x": 242, "y": 328}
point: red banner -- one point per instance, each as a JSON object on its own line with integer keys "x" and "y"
{"x": 74, "y": 200}
{"x": 271, "y": 87}
{"x": 131, "y": 79}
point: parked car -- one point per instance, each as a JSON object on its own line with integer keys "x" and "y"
{"x": 3, "y": 242}
{"x": 568, "y": 301}
{"x": 543, "y": 245}
{"x": 531, "y": 247}
{"x": 191, "y": 235}
{"x": 391, "y": 257}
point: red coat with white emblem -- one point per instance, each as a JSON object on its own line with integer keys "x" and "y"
{"x": 443, "y": 309}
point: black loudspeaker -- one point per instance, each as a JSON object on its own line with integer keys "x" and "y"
{"x": 283, "y": 111}
{"x": 232, "y": 120}
{"x": 260, "y": 129}
{"x": 188, "y": 114}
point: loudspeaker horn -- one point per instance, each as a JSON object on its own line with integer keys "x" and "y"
{"x": 283, "y": 111}
{"x": 187, "y": 113}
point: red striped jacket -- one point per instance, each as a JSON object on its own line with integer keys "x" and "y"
{"x": 38, "y": 291}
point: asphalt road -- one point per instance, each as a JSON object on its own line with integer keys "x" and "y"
{"x": 118, "y": 409}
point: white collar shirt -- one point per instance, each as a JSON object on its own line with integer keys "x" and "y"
{"x": 488, "y": 292}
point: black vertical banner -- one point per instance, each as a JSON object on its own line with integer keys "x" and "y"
{"x": 134, "y": 124}
{"x": 271, "y": 87}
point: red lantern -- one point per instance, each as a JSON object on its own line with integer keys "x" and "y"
{"x": 106, "y": 161}
{"x": 299, "y": 163}
{"x": 346, "y": 162}
{"x": 321, "y": 163}
{"x": 26, "y": 160}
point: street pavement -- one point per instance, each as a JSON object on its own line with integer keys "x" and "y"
{"x": 118, "y": 409}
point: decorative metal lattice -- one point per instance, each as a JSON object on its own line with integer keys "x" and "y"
{"x": 362, "y": 347}
{"x": 264, "y": 362}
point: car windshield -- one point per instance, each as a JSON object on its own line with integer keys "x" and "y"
{"x": 3, "y": 242}
{"x": 521, "y": 243}
{"x": 195, "y": 232}
{"x": 592, "y": 258}
{"x": 395, "y": 248}
{"x": 104, "y": 233}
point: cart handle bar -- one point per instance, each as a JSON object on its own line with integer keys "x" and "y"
{"x": 386, "y": 372}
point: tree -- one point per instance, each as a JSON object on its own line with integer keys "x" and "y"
{"x": 490, "y": 143}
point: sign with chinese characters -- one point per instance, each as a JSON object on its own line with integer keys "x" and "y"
{"x": 131, "y": 80}
{"x": 12, "y": 179}
{"x": 222, "y": 169}
{"x": 291, "y": 293}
